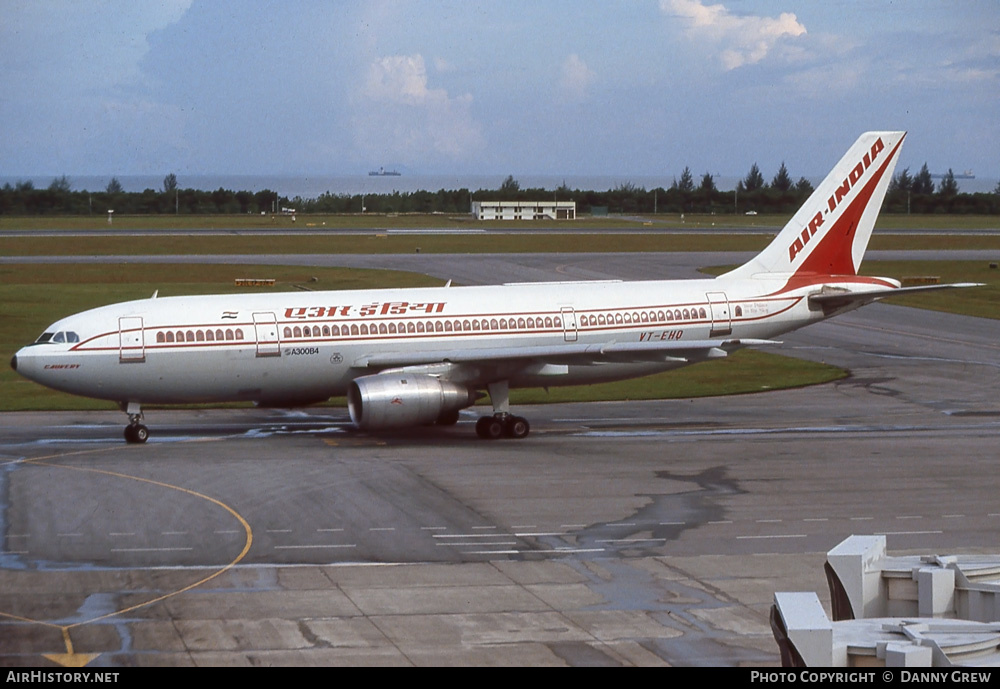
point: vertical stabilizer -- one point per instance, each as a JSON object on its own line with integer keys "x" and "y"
{"x": 830, "y": 232}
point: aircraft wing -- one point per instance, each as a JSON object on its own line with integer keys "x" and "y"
{"x": 833, "y": 300}
{"x": 566, "y": 353}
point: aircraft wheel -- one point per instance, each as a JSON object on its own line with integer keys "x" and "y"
{"x": 136, "y": 434}
{"x": 516, "y": 427}
{"x": 489, "y": 428}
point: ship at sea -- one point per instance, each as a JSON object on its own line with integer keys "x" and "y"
{"x": 965, "y": 175}
{"x": 382, "y": 172}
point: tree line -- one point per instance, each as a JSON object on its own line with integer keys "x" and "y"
{"x": 59, "y": 198}
{"x": 907, "y": 194}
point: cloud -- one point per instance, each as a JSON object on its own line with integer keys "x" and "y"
{"x": 400, "y": 117}
{"x": 576, "y": 77}
{"x": 742, "y": 39}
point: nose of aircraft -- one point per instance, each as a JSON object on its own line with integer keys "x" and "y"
{"x": 13, "y": 362}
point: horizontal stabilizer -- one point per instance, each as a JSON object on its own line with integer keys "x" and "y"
{"x": 836, "y": 300}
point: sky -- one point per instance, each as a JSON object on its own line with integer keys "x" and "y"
{"x": 570, "y": 87}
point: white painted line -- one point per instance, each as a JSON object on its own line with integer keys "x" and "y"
{"x": 69, "y": 535}
{"x": 768, "y": 521}
{"x": 382, "y": 528}
{"x": 631, "y": 540}
{"x": 908, "y": 516}
{"x": 470, "y": 535}
{"x": 314, "y": 547}
{"x": 329, "y": 530}
{"x": 796, "y": 535}
{"x": 862, "y": 519}
{"x": 726, "y": 521}
{"x": 537, "y": 534}
{"x": 816, "y": 519}
{"x": 469, "y": 545}
{"x": 907, "y": 533}
{"x": 122, "y": 533}
{"x": 148, "y": 550}
{"x": 953, "y": 516}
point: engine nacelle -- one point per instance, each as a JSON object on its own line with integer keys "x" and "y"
{"x": 398, "y": 400}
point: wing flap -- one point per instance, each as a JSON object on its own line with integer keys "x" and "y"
{"x": 564, "y": 353}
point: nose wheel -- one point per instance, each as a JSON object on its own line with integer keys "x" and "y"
{"x": 135, "y": 432}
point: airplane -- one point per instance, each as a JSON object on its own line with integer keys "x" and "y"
{"x": 410, "y": 357}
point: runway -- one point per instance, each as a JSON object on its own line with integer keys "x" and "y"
{"x": 631, "y": 533}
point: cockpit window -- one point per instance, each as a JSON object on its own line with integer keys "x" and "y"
{"x": 57, "y": 338}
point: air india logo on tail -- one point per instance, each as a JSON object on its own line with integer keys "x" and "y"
{"x": 853, "y": 177}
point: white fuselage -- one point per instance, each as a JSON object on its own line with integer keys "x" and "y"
{"x": 295, "y": 348}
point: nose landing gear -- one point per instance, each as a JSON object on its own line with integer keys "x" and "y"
{"x": 135, "y": 432}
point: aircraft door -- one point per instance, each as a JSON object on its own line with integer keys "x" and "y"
{"x": 132, "y": 346}
{"x": 722, "y": 323}
{"x": 266, "y": 330}
{"x": 569, "y": 323}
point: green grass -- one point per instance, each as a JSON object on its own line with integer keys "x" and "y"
{"x": 748, "y": 370}
{"x": 983, "y": 302}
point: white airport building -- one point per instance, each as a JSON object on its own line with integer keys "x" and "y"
{"x": 524, "y": 210}
{"x": 903, "y": 611}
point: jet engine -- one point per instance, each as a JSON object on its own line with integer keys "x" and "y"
{"x": 398, "y": 400}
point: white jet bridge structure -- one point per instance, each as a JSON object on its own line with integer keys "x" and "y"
{"x": 910, "y": 611}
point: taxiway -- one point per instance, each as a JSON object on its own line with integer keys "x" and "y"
{"x": 627, "y": 533}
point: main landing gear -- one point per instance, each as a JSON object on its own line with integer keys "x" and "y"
{"x": 135, "y": 432}
{"x": 502, "y": 424}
